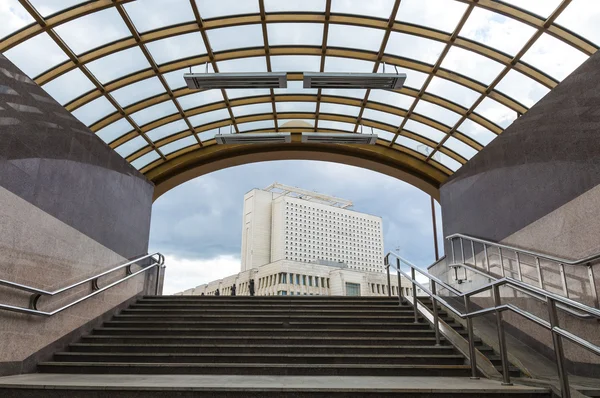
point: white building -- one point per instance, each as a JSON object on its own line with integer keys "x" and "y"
{"x": 286, "y": 223}
{"x": 297, "y": 242}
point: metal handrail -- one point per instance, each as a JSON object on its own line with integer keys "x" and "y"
{"x": 587, "y": 261}
{"x": 584, "y": 260}
{"x": 158, "y": 262}
{"x": 551, "y": 299}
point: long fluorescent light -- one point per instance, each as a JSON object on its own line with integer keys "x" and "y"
{"x": 390, "y": 81}
{"x": 196, "y": 81}
{"x": 254, "y": 138}
{"x": 334, "y": 138}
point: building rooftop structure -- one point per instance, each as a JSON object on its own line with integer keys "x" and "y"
{"x": 463, "y": 88}
{"x": 311, "y": 196}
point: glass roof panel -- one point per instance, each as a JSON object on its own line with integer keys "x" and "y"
{"x": 246, "y": 92}
{"x": 497, "y": 31}
{"x": 338, "y": 92}
{"x": 177, "y": 47}
{"x": 414, "y": 145}
{"x": 200, "y": 98}
{"x": 296, "y": 5}
{"x": 414, "y": 47}
{"x": 424, "y": 130}
{"x": 339, "y": 109}
{"x": 131, "y": 146}
{"x": 100, "y": 27}
{"x": 119, "y": 64}
{"x": 145, "y": 160}
{"x": 305, "y": 34}
{"x": 294, "y": 106}
{"x": 521, "y": 88}
{"x": 338, "y": 64}
{"x": 355, "y": 37}
{"x": 114, "y": 130}
{"x": 138, "y": 91}
{"x": 251, "y": 109}
{"x": 543, "y": 8}
{"x": 212, "y": 9}
{"x": 438, "y": 14}
{"x": 258, "y": 125}
{"x": 207, "y": 135}
{"x": 491, "y": 109}
{"x": 13, "y": 16}
{"x": 36, "y": 55}
{"x": 414, "y": 79}
{"x": 477, "y": 132}
{"x": 282, "y": 122}
{"x": 453, "y": 92}
{"x": 295, "y": 87}
{"x": 460, "y": 147}
{"x": 382, "y": 117}
{"x": 437, "y": 112}
{"x": 472, "y": 65}
{"x": 295, "y": 63}
{"x": 448, "y": 161}
{"x": 49, "y": 7}
{"x": 94, "y": 111}
{"x": 554, "y": 56}
{"x": 69, "y": 86}
{"x": 175, "y": 78}
{"x": 581, "y": 17}
{"x": 166, "y": 130}
{"x": 154, "y": 112}
{"x": 391, "y": 98}
{"x": 250, "y": 64}
{"x": 152, "y": 14}
{"x": 243, "y": 36}
{"x": 373, "y": 8}
{"x": 333, "y": 125}
{"x": 209, "y": 117}
{"x": 386, "y": 135}
{"x": 177, "y": 145}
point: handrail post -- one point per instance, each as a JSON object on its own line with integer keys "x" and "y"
{"x": 414, "y": 293}
{"x": 539, "y": 272}
{"x": 487, "y": 258}
{"x": 387, "y": 267}
{"x": 563, "y": 277}
{"x": 519, "y": 266}
{"x": 472, "y": 357}
{"x": 473, "y": 251}
{"x": 462, "y": 251}
{"x": 399, "y": 281}
{"x": 157, "y": 279}
{"x": 501, "y": 338}
{"x": 501, "y": 262}
{"x": 452, "y": 248}
{"x": 436, "y": 322}
{"x": 593, "y": 285}
{"x": 558, "y": 350}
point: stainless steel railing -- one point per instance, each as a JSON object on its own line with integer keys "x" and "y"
{"x": 558, "y": 333}
{"x": 157, "y": 261}
{"x": 518, "y": 259}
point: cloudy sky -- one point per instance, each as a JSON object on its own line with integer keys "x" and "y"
{"x": 198, "y": 224}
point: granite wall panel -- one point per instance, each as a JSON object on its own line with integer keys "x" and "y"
{"x": 53, "y": 161}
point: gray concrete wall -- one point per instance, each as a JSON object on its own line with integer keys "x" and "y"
{"x": 70, "y": 208}
{"x": 537, "y": 187}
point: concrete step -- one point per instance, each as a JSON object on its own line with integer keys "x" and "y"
{"x": 294, "y": 299}
{"x": 242, "y": 358}
{"x": 254, "y": 369}
{"x": 270, "y": 317}
{"x": 302, "y": 340}
{"x": 254, "y": 304}
{"x": 262, "y": 348}
{"x": 267, "y": 308}
{"x": 199, "y": 311}
{"x": 285, "y": 323}
{"x": 271, "y": 332}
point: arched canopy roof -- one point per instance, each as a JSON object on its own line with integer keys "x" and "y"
{"x": 473, "y": 66}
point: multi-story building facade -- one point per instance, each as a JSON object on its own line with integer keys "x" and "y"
{"x": 297, "y": 242}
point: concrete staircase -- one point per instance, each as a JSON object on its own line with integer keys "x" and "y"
{"x": 206, "y": 346}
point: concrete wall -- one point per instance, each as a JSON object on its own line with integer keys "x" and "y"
{"x": 256, "y": 229}
{"x": 537, "y": 187}
{"x": 70, "y": 208}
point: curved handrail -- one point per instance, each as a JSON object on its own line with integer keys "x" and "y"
{"x": 551, "y": 299}
{"x": 37, "y": 293}
{"x": 584, "y": 260}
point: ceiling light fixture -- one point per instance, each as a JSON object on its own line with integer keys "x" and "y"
{"x": 254, "y": 138}
{"x": 335, "y": 138}
{"x": 388, "y": 81}
{"x": 196, "y": 81}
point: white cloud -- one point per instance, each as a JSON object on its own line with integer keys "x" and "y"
{"x": 184, "y": 273}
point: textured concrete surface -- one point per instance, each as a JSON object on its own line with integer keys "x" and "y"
{"x": 244, "y": 383}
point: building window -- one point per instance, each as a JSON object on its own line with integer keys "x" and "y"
{"x": 352, "y": 289}
{"x": 304, "y": 280}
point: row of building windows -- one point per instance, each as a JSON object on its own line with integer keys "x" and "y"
{"x": 293, "y": 279}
